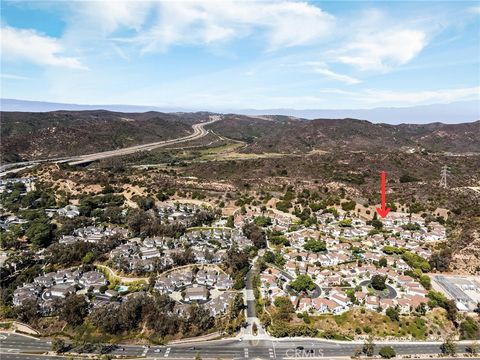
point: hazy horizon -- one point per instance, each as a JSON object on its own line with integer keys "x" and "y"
{"x": 451, "y": 113}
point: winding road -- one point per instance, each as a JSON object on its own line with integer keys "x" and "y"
{"x": 199, "y": 131}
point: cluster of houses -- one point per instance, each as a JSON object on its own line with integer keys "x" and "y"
{"x": 208, "y": 246}
{"x": 28, "y": 183}
{"x": 333, "y": 298}
{"x": 181, "y": 213}
{"x": 157, "y": 253}
{"x": 47, "y": 289}
{"x": 338, "y": 268}
{"x": 208, "y": 286}
{"x": 8, "y": 220}
{"x": 92, "y": 234}
{"x": 221, "y": 237}
{"x": 69, "y": 211}
{"x": 185, "y": 278}
{"x": 216, "y": 306}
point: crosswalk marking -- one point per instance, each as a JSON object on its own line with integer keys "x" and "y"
{"x": 246, "y": 353}
{"x": 167, "y": 352}
{"x": 270, "y": 352}
{"x": 145, "y": 351}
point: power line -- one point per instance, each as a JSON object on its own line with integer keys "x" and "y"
{"x": 443, "y": 176}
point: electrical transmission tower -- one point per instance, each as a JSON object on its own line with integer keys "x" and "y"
{"x": 444, "y": 174}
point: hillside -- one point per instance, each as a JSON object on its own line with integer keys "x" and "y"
{"x": 28, "y": 136}
{"x": 282, "y": 134}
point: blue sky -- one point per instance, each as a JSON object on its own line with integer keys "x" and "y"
{"x": 217, "y": 55}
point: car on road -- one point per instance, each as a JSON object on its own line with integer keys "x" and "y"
{"x": 300, "y": 347}
{"x": 157, "y": 350}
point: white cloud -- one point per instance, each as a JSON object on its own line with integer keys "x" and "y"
{"x": 322, "y": 69}
{"x": 382, "y": 49}
{"x": 109, "y": 15}
{"x": 159, "y": 25}
{"x": 28, "y": 45}
{"x": 474, "y": 10}
{"x": 417, "y": 97}
{"x": 13, "y": 76}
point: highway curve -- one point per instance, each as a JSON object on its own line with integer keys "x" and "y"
{"x": 198, "y": 132}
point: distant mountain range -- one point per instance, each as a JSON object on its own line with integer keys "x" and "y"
{"x": 455, "y": 112}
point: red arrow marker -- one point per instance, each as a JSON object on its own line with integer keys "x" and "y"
{"x": 383, "y": 212}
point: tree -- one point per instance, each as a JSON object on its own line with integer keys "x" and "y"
{"x": 382, "y": 262}
{"x": 28, "y": 312}
{"x": 58, "y": 345}
{"x": 472, "y": 348}
{"x": 198, "y": 356}
{"x": 387, "y": 352}
{"x": 256, "y": 234}
{"x": 254, "y": 329}
{"x": 315, "y": 245}
{"x": 88, "y": 258}
{"x": 302, "y": 283}
{"x": 39, "y": 233}
{"x": 283, "y": 205}
{"x": 393, "y": 313}
{"x": 416, "y": 261}
{"x": 375, "y": 222}
{"x": 269, "y": 257}
{"x": 230, "y": 222}
{"x": 284, "y": 307}
{"x": 74, "y": 310}
{"x": 426, "y": 282}
{"x": 449, "y": 347}
{"x": 378, "y": 282}
{"x": 263, "y": 221}
{"x": 469, "y": 329}
{"x": 368, "y": 346}
{"x": 441, "y": 260}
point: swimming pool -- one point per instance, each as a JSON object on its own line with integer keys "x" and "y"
{"x": 122, "y": 288}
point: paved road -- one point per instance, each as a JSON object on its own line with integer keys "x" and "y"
{"x": 12, "y": 345}
{"x": 198, "y": 132}
{"x": 250, "y": 298}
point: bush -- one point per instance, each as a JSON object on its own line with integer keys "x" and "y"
{"x": 349, "y": 205}
{"x": 263, "y": 221}
{"x": 284, "y": 205}
{"x": 387, "y": 352}
{"x": 406, "y": 178}
{"x": 469, "y": 329}
{"x": 393, "y": 313}
{"x": 449, "y": 347}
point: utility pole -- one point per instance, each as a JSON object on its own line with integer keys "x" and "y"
{"x": 443, "y": 176}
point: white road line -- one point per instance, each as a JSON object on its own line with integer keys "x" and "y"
{"x": 270, "y": 352}
{"x": 246, "y": 353}
{"x": 167, "y": 352}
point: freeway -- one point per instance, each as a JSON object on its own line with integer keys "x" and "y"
{"x": 15, "y": 347}
{"x": 199, "y": 131}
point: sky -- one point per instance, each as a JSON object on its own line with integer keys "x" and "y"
{"x": 214, "y": 55}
